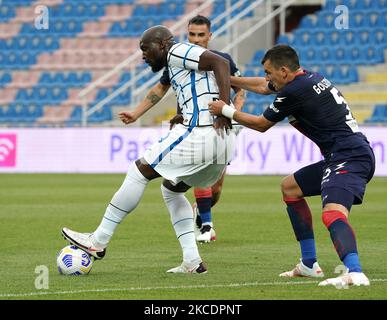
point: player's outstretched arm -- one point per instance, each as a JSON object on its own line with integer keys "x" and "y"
{"x": 254, "y": 84}
{"x": 155, "y": 94}
{"x": 259, "y": 123}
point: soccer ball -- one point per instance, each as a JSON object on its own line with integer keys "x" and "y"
{"x": 73, "y": 261}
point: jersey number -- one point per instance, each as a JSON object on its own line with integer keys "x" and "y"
{"x": 351, "y": 122}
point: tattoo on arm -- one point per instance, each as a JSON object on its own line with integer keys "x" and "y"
{"x": 154, "y": 98}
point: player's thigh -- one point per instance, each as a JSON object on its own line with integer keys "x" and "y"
{"x": 308, "y": 179}
{"x": 146, "y": 170}
{"x": 179, "y": 187}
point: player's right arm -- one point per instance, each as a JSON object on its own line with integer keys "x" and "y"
{"x": 154, "y": 95}
{"x": 254, "y": 84}
{"x": 221, "y": 67}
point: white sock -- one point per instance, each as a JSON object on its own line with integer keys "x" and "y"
{"x": 123, "y": 202}
{"x": 182, "y": 221}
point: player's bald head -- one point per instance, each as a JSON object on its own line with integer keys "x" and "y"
{"x": 155, "y": 43}
{"x": 156, "y": 34}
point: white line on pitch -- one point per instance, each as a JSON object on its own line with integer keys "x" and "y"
{"x": 231, "y": 285}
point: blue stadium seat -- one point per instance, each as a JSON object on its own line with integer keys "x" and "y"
{"x": 379, "y": 114}
{"x": 59, "y": 78}
{"x": 349, "y": 37}
{"x": 378, "y": 36}
{"x": 308, "y": 21}
{"x": 357, "y": 19}
{"x": 319, "y": 38}
{"x": 302, "y": 37}
{"x": 58, "y": 94}
{"x": 285, "y": 39}
{"x": 310, "y": 54}
{"x": 379, "y": 4}
{"x": 330, "y": 5}
{"x": 10, "y": 114}
{"x": 85, "y": 78}
{"x": 340, "y": 54}
{"x": 373, "y": 54}
{"x": 5, "y": 78}
{"x": 334, "y": 37}
{"x": 373, "y": 19}
{"x": 7, "y": 12}
{"x": 325, "y": 19}
{"x": 325, "y": 54}
{"x": 352, "y": 74}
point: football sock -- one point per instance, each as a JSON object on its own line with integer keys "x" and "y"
{"x": 301, "y": 219}
{"x": 182, "y": 221}
{"x": 123, "y": 202}
{"x": 343, "y": 239}
{"x": 203, "y": 201}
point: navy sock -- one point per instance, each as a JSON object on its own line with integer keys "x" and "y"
{"x": 204, "y": 207}
{"x": 352, "y": 262}
{"x": 301, "y": 219}
{"x": 344, "y": 240}
{"x": 308, "y": 252}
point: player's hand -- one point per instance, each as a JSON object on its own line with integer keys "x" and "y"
{"x": 127, "y": 117}
{"x": 215, "y": 107}
{"x": 175, "y": 120}
{"x": 221, "y": 125}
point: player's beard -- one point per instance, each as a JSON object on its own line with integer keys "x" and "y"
{"x": 158, "y": 65}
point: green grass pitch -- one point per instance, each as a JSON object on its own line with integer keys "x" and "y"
{"x": 254, "y": 244}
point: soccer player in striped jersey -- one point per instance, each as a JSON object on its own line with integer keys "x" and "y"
{"x": 194, "y": 153}
{"x": 315, "y": 107}
{"x": 199, "y": 33}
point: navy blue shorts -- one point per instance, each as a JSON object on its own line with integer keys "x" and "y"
{"x": 342, "y": 179}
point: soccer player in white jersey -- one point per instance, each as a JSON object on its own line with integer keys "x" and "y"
{"x": 194, "y": 153}
{"x": 199, "y": 33}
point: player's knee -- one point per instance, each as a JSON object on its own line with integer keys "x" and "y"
{"x": 203, "y": 192}
{"x": 330, "y": 216}
{"x": 289, "y": 188}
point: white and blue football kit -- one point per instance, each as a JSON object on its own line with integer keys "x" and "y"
{"x": 192, "y": 152}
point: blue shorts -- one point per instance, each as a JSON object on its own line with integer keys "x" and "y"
{"x": 342, "y": 179}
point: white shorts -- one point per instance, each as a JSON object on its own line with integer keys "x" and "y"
{"x": 197, "y": 157}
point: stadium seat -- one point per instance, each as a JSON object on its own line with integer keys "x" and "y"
{"x": 10, "y": 114}
{"x": 319, "y": 38}
{"x": 309, "y": 21}
{"x": 379, "y": 114}
{"x": 379, "y": 37}
{"x": 357, "y": 19}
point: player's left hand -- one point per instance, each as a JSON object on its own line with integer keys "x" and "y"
{"x": 215, "y": 107}
{"x": 127, "y": 117}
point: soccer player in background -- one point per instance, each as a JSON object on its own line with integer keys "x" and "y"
{"x": 316, "y": 108}
{"x": 199, "y": 33}
{"x": 199, "y": 76}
